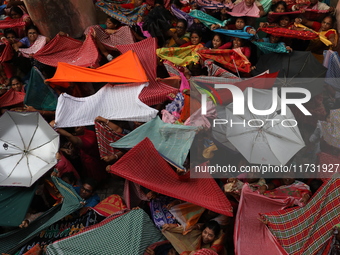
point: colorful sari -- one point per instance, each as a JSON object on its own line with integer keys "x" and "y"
{"x": 322, "y": 35}
{"x": 181, "y": 56}
{"x": 160, "y": 214}
{"x": 285, "y": 32}
{"x": 205, "y": 4}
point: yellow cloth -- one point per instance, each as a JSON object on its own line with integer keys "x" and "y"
{"x": 172, "y": 43}
{"x": 321, "y": 34}
{"x": 181, "y": 56}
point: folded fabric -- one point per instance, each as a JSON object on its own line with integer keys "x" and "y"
{"x": 182, "y": 15}
{"x": 110, "y": 205}
{"x": 234, "y": 33}
{"x": 114, "y": 103}
{"x": 172, "y": 141}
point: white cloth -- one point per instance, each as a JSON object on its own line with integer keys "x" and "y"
{"x": 110, "y": 102}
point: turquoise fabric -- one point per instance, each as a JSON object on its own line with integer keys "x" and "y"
{"x": 129, "y": 234}
{"x": 267, "y": 47}
{"x": 206, "y": 19}
{"x": 171, "y": 140}
{"x": 38, "y": 94}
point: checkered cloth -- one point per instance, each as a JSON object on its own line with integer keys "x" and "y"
{"x": 156, "y": 92}
{"x": 68, "y": 50}
{"x": 205, "y": 252}
{"x": 6, "y": 52}
{"x": 128, "y": 234}
{"x": 122, "y": 36}
{"x": 105, "y": 136}
{"x": 304, "y": 231}
{"x": 143, "y": 165}
{"x": 11, "y": 97}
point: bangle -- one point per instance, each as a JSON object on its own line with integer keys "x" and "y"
{"x": 107, "y": 122}
{"x": 116, "y": 156}
{"x": 266, "y": 186}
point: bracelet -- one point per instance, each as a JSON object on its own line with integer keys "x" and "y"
{"x": 107, "y": 122}
{"x": 266, "y": 186}
{"x": 116, "y": 156}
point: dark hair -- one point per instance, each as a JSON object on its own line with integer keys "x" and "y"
{"x": 92, "y": 182}
{"x": 274, "y": 6}
{"x": 184, "y": 22}
{"x": 114, "y": 21}
{"x": 222, "y": 38}
{"x": 333, "y": 19}
{"x": 70, "y": 176}
{"x": 243, "y": 18}
{"x": 160, "y": 2}
{"x": 32, "y": 27}
{"x": 214, "y": 226}
{"x": 15, "y": 78}
{"x": 17, "y": 10}
{"x": 198, "y": 32}
{"x": 8, "y": 31}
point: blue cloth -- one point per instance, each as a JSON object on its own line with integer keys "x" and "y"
{"x": 91, "y": 201}
{"x": 25, "y": 42}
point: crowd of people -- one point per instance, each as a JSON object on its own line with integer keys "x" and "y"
{"x": 205, "y": 38}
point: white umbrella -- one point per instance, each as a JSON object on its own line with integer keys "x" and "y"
{"x": 272, "y": 143}
{"x": 27, "y": 148}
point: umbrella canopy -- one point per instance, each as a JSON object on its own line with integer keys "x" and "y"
{"x": 270, "y": 142}
{"x": 297, "y": 69}
{"x": 27, "y": 148}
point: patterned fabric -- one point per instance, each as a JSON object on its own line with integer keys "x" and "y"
{"x": 182, "y": 15}
{"x": 215, "y": 70}
{"x": 242, "y": 9}
{"x": 6, "y": 52}
{"x": 208, "y": 4}
{"x": 35, "y": 250}
{"x": 130, "y": 233}
{"x": 35, "y": 47}
{"x": 160, "y": 214}
{"x": 12, "y": 97}
{"x": 11, "y": 241}
{"x": 151, "y": 171}
{"x": 111, "y": 102}
{"x": 177, "y": 104}
{"x": 332, "y": 63}
{"x": 331, "y": 129}
{"x": 157, "y": 91}
{"x": 122, "y": 36}
{"x": 105, "y": 136}
{"x": 247, "y": 224}
{"x": 285, "y": 32}
{"x": 68, "y": 50}
{"x": 126, "y": 16}
{"x": 231, "y": 59}
{"x": 172, "y": 141}
{"x": 267, "y": 47}
{"x": 110, "y": 205}
{"x": 171, "y": 68}
{"x": 309, "y": 14}
{"x": 234, "y": 33}
{"x": 326, "y": 159}
{"x": 181, "y": 56}
{"x": 305, "y": 230}
{"x": 12, "y": 23}
{"x": 322, "y": 34}
{"x": 38, "y": 94}
{"x": 206, "y": 19}
{"x": 205, "y": 251}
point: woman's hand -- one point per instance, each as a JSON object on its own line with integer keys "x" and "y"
{"x": 30, "y": 108}
{"x": 151, "y": 195}
{"x": 150, "y": 251}
{"x": 168, "y": 226}
{"x": 305, "y": 199}
{"x": 100, "y": 119}
{"x": 262, "y": 189}
{"x": 214, "y": 26}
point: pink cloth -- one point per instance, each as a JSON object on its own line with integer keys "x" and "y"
{"x": 242, "y": 9}
{"x": 251, "y": 236}
{"x": 184, "y": 83}
{"x": 198, "y": 120}
{"x": 35, "y": 47}
{"x": 167, "y": 117}
{"x": 65, "y": 166}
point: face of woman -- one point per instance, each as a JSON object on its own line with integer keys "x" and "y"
{"x": 180, "y": 28}
{"x": 208, "y": 236}
{"x": 249, "y": 3}
{"x": 109, "y": 24}
{"x": 195, "y": 39}
{"x": 15, "y": 15}
{"x": 16, "y": 85}
{"x": 216, "y": 42}
{"x": 237, "y": 42}
{"x": 280, "y": 8}
{"x": 11, "y": 38}
{"x": 284, "y": 21}
{"x": 240, "y": 24}
{"x": 274, "y": 39}
{"x": 32, "y": 35}
{"x": 326, "y": 24}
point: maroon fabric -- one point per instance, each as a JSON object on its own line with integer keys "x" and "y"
{"x": 6, "y": 52}
{"x": 12, "y": 97}
{"x": 308, "y": 14}
{"x": 143, "y": 165}
{"x": 69, "y": 50}
{"x": 285, "y": 32}
{"x": 12, "y": 23}
{"x": 157, "y": 91}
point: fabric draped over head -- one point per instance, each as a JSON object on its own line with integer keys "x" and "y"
{"x": 242, "y": 9}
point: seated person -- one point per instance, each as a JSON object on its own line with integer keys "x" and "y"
{"x": 87, "y": 192}
{"x": 179, "y": 34}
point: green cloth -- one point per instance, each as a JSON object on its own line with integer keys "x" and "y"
{"x": 38, "y": 94}
{"x": 267, "y": 47}
{"x": 14, "y": 203}
{"x": 206, "y": 19}
{"x": 11, "y": 242}
{"x": 171, "y": 140}
{"x": 129, "y": 234}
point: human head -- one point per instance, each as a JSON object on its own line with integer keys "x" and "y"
{"x": 240, "y": 23}
{"x": 274, "y": 38}
{"x": 280, "y": 6}
{"x": 211, "y": 231}
{"x": 284, "y": 21}
{"x": 79, "y": 130}
{"x": 238, "y": 42}
{"x": 181, "y": 27}
{"x": 112, "y": 23}
{"x": 159, "y": 3}
{"x": 16, "y": 83}
{"x": 249, "y": 3}
{"x": 88, "y": 188}
{"x": 217, "y": 41}
{"x": 195, "y": 37}
{"x": 10, "y": 35}
{"x": 16, "y": 12}
{"x": 327, "y": 23}
{"x": 32, "y": 33}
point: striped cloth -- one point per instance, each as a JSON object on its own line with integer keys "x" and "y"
{"x": 157, "y": 91}
{"x": 305, "y": 230}
{"x": 143, "y": 165}
{"x": 215, "y": 70}
{"x": 111, "y": 102}
{"x": 172, "y": 141}
{"x": 11, "y": 241}
{"x": 68, "y": 50}
{"x": 128, "y": 234}
{"x": 105, "y": 136}
{"x": 38, "y": 94}
{"x": 38, "y": 44}
{"x": 122, "y": 36}
{"x": 11, "y": 97}
{"x": 6, "y": 51}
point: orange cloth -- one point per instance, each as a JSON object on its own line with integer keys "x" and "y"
{"x": 124, "y": 69}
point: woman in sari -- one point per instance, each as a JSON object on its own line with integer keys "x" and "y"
{"x": 195, "y": 39}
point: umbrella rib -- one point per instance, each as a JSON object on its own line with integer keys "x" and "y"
{"x": 22, "y": 156}
{"x": 18, "y": 130}
{"x": 35, "y": 130}
{"x": 40, "y": 158}
{"x": 11, "y": 144}
{"x": 42, "y": 145}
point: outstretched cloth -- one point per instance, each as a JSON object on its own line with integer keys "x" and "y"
{"x": 285, "y": 32}
{"x": 206, "y": 19}
{"x": 305, "y": 230}
{"x": 267, "y": 47}
{"x": 11, "y": 241}
{"x": 231, "y": 59}
{"x": 152, "y": 169}
{"x": 157, "y": 91}
{"x": 111, "y": 102}
{"x": 124, "y": 69}
{"x": 217, "y": 71}
{"x": 68, "y": 50}
{"x": 207, "y": 4}
{"x": 38, "y": 94}
{"x": 332, "y": 63}
{"x": 251, "y": 236}
{"x": 11, "y": 97}
{"x": 126, "y": 16}
{"x": 105, "y": 136}
{"x": 182, "y": 15}
{"x": 34, "y": 48}
{"x": 181, "y": 56}
{"x": 234, "y": 33}
{"x": 122, "y": 36}
{"x": 172, "y": 141}
{"x": 6, "y": 51}
{"x": 308, "y": 14}
{"x": 130, "y": 233}
{"x": 12, "y": 23}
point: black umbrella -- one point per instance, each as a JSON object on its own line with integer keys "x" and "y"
{"x": 296, "y": 69}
